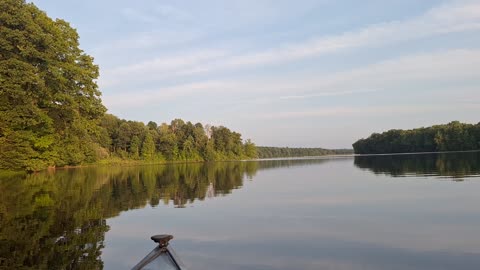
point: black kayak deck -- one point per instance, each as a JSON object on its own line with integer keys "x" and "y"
{"x": 161, "y": 257}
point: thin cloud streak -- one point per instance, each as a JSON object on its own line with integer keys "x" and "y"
{"x": 450, "y": 18}
{"x": 158, "y": 67}
{"x": 442, "y": 20}
{"x": 147, "y": 40}
{"x": 371, "y": 110}
{"x": 328, "y": 94}
{"x": 392, "y": 75}
{"x": 155, "y": 14}
{"x": 165, "y": 94}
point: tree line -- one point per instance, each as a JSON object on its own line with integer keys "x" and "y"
{"x": 51, "y": 113}
{"x": 454, "y": 136}
{"x": 176, "y": 141}
{"x": 276, "y": 152}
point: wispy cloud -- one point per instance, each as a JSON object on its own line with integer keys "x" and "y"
{"x": 138, "y": 16}
{"x": 146, "y": 40}
{"x": 171, "y": 12}
{"x": 154, "y": 14}
{"x": 148, "y": 97}
{"x": 454, "y": 17}
{"x": 397, "y": 110}
{"x": 159, "y": 67}
{"x": 328, "y": 94}
{"x": 392, "y": 75}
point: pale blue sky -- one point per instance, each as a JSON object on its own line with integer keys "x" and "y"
{"x": 285, "y": 73}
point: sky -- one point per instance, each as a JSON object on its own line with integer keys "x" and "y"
{"x": 306, "y": 73}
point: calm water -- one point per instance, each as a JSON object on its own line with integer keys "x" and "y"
{"x": 371, "y": 212}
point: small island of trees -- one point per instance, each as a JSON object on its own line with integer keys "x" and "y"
{"x": 454, "y": 136}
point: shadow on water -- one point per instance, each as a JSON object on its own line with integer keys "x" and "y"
{"x": 57, "y": 220}
{"x": 456, "y": 166}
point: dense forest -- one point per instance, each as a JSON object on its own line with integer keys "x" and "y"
{"x": 275, "y": 152}
{"x": 176, "y": 141}
{"x": 51, "y": 113}
{"x": 454, "y": 136}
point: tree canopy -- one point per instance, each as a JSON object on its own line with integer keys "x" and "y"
{"x": 454, "y": 136}
{"x": 49, "y": 100}
{"x": 177, "y": 141}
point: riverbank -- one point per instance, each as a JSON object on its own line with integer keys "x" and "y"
{"x": 116, "y": 161}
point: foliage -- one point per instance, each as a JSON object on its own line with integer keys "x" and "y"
{"x": 51, "y": 113}
{"x": 48, "y": 96}
{"x": 454, "y": 136}
{"x": 177, "y": 141}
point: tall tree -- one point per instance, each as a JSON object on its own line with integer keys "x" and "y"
{"x": 48, "y": 94}
{"x": 135, "y": 147}
{"x": 250, "y": 149}
{"x": 148, "y": 147}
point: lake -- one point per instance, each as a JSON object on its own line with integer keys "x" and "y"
{"x": 366, "y": 212}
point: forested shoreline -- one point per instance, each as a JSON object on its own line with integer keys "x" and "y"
{"x": 278, "y": 152}
{"x": 454, "y": 136}
{"x": 177, "y": 141}
{"x": 51, "y": 113}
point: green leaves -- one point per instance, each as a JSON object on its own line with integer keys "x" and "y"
{"x": 47, "y": 88}
{"x": 44, "y": 142}
{"x": 51, "y": 113}
{"x": 454, "y": 136}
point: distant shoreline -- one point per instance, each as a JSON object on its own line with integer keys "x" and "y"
{"x": 133, "y": 163}
{"x": 418, "y": 153}
{"x": 454, "y": 136}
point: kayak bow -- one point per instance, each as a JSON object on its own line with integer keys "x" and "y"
{"x": 161, "y": 257}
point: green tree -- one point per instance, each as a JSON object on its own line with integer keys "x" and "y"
{"x": 135, "y": 147}
{"x": 189, "y": 148}
{"x": 48, "y": 91}
{"x": 51, "y": 112}
{"x": 454, "y": 136}
{"x": 167, "y": 142}
{"x": 148, "y": 147}
{"x": 250, "y": 149}
{"x": 209, "y": 153}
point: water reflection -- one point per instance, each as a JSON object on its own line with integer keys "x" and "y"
{"x": 306, "y": 213}
{"x": 456, "y": 166}
{"x": 57, "y": 219}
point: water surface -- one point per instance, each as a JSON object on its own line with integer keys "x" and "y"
{"x": 368, "y": 212}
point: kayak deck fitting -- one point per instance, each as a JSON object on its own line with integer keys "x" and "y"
{"x": 161, "y": 257}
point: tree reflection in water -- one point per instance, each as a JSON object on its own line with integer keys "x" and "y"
{"x": 57, "y": 219}
{"x": 457, "y": 166}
